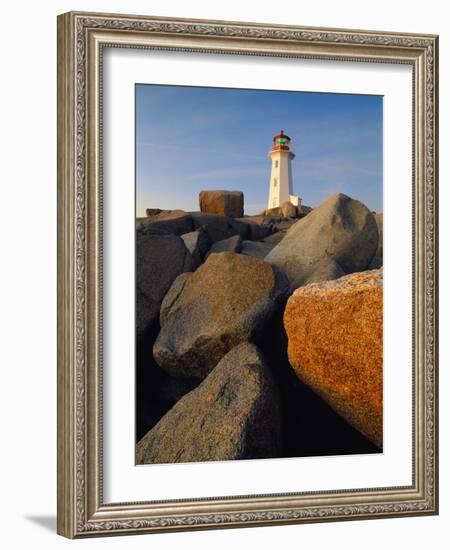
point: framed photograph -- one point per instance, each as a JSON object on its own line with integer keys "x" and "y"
{"x": 247, "y": 288}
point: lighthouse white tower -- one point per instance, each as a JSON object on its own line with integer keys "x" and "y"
{"x": 280, "y": 187}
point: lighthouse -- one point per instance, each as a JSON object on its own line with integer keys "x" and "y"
{"x": 280, "y": 186}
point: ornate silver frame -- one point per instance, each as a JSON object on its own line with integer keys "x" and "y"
{"x": 81, "y": 38}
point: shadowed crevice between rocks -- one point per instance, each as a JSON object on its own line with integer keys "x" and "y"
{"x": 310, "y": 427}
{"x": 156, "y": 392}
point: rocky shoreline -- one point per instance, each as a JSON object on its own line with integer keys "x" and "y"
{"x": 258, "y": 336}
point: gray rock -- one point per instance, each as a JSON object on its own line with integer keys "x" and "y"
{"x": 147, "y": 312}
{"x": 376, "y": 262}
{"x": 153, "y": 211}
{"x": 379, "y": 219}
{"x": 225, "y": 302}
{"x": 276, "y": 212}
{"x": 256, "y": 249}
{"x": 197, "y": 242}
{"x": 289, "y": 210}
{"x": 232, "y": 244}
{"x": 159, "y": 261}
{"x": 172, "y": 296}
{"x": 258, "y": 232}
{"x": 275, "y": 238}
{"x": 257, "y": 219}
{"x": 233, "y": 414}
{"x": 259, "y": 226}
{"x": 219, "y": 227}
{"x": 176, "y": 222}
{"x": 341, "y": 228}
{"x": 313, "y": 270}
{"x": 223, "y": 203}
{"x": 284, "y": 224}
{"x": 303, "y": 210}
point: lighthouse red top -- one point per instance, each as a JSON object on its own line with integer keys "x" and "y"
{"x": 281, "y": 142}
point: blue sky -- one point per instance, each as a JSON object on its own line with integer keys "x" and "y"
{"x": 190, "y": 139}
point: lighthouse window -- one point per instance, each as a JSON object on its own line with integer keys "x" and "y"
{"x": 276, "y": 164}
{"x": 275, "y": 182}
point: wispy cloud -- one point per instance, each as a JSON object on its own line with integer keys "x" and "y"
{"x": 233, "y": 172}
{"x": 193, "y": 148}
{"x": 320, "y": 166}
